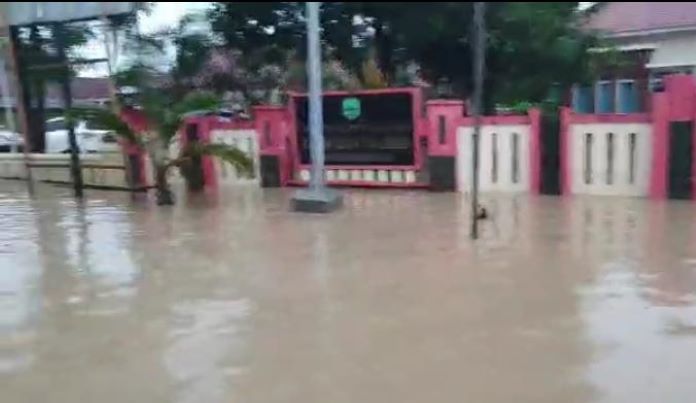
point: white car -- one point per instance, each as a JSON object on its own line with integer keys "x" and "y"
{"x": 10, "y": 141}
{"x": 90, "y": 139}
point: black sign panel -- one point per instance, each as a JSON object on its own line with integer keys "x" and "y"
{"x": 361, "y": 129}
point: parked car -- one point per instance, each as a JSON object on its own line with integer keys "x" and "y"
{"x": 10, "y": 141}
{"x": 90, "y": 139}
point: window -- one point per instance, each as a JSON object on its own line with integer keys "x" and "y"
{"x": 494, "y": 164}
{"x": 588, "y": 158}
{"x": 627, "y": 95}
{"x": 582, "y": 99}
{"x": 610, "y": 158}
{"x": 631, "y": 158}
{"x": 515, "y": 157}
{"x": 604, "y": 97}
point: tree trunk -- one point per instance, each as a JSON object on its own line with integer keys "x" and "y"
{"x": 159, "y": 157}
{"x": 165, "y": 197}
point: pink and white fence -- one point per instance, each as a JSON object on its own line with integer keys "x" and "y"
{"x": 641, "y": 154}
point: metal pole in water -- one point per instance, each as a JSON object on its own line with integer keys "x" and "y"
{"x": 318, "y": 198}
{"x": 479, "y": 62}
{"x": 316, "y": 119}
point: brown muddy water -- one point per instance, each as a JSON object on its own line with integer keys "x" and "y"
{"x": 235, "y": 299}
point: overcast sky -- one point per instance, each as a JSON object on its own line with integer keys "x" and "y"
{"x": 168, "y": 14}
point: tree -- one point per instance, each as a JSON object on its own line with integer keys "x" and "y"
{"x": 153, "y": 95}
{"x": 40, "y": 66}
{"x": 531, "y": 47}
{"x": 164, "y": 118}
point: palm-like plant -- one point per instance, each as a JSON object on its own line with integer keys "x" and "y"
{"x": 164, "y": 103}
{"x": 164, "y": 119}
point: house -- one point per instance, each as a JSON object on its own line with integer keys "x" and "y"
{"x": 86, "y": 91}
{"x": 654, "y": 39}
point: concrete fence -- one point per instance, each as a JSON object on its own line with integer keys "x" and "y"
{"x": 611, "y": 159}
{"x": 640, "y": 155}
{"x": 98, "y": 170}
{"x": 504, "y": 163}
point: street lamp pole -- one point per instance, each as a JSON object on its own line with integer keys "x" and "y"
{"x": 317, "y": 198}
{"x": 316, "y": 118}
{"x": 479, "y": 62}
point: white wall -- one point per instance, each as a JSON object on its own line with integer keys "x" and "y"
{"x": 504, "y": 181}
{"x": 620, "y": 183}
{"x": 244, "y": 140}
{"x": 671, "y": 49}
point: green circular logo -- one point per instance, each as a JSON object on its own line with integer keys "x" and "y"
{"x": 351, "y": 108}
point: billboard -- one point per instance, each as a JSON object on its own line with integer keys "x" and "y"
{"x": 361, "y": 128}
{"x": 19, "y": 13}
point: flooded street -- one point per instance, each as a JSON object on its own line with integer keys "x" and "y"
{"x": 235, "y": 299}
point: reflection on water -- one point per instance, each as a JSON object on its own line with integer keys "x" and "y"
{"x": 203, "y": 335}
{"x": 230, "y": 297}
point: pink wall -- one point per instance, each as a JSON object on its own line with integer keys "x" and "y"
{"x": 680, "y": 97}
{"x": 451, "y": 111}
{"x": 565, "y": 155}
{"x": 660, "y": 146}
{"x": 273, "y": 127}
{"x": 136, "y": 120}
{"x": 204, "y": 129}
{"x": 676, "y": 104}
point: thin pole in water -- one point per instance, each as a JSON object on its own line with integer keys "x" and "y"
{"x": 478, "y": 67}
{"x": 316, "y": 121}
{"x": 318, "y": 198}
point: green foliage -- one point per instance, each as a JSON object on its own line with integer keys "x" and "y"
{"x": 230, "y": 155}
{"x": 37, "y": 46}
{"x": 531, "y": 46}
{"x": 104, "y": 118}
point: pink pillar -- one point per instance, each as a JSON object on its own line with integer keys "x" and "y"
{"x": 444, "y": 116}
{"x": 676, "y": 104}
{"x": 534, "y": 150}
{"x": 203, "y": 127}
{"x": 660, "y": 146}
{"x": 134, "y": 155}
{"x": 443, "y": 119}
{"x": 565, "y": 154}
{"x": 272, "y": 124}
{"x": 208, "y": 164}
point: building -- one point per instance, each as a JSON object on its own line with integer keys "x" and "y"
{"x": 86, "y": 91}
{"x": 653, "y": 38}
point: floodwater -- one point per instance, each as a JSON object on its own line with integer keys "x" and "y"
{"x": 231, "y": 298}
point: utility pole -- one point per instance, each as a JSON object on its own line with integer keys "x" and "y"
{"x": 479, "y": 44}
{"x": 75, "y": 168}
{"x": 318, "y": 198}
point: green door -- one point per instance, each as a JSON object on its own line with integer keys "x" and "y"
{"x": 680, "y": 160}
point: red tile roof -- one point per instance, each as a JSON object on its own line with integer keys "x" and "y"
{"x": 633, "y": 17}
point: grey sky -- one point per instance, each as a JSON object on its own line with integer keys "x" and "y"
{"x": 168, "y": 14}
